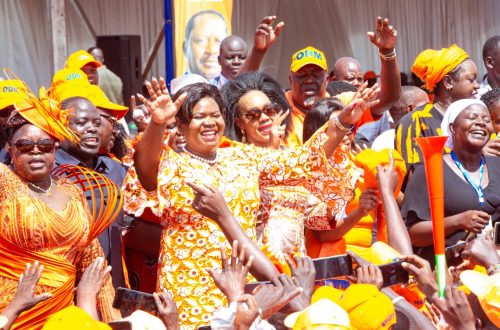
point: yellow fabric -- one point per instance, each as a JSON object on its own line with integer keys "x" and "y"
{"x": 79, "y": 59}
{"x": 100, "y": 100}
{"x": 308, "y": 55}
{"x": 68, "y": 83}
{"x": 368, "y": 308}
{"x": 190, "y": 242}
{"x": 73, "y": 318}
{"x": 432, "y": 65}
{"x": 324, "y": 313}
{"x": 9, "y": 92}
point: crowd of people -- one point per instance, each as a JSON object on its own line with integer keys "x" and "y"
{"x": 241, "y": 183}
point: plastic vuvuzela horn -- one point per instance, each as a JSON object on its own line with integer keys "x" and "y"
{"x": 432, "y": 149}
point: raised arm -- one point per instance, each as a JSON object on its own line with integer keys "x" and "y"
{"x": 342, "y": 122}
{"x": 384, "y": 38}
{"x": 149, "y": 148}
{"x": 265, "y": 36}
{"x": 397, "y": 234}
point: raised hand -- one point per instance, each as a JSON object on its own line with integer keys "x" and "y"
{"x": 231, "y": 281}
{"x": 385, "y": 35}
{"x": 368, "y": 200}
{"x": 421, "y": 270}
{"x": 25, "y": 297}
{"x": 303, "y": 270}
{"x": 365, "y": 98}
{"x": 386, "y": 176}
{"x": 492, "y": 148}
{"x": 273, "y": 297}
{"x": 456, "y": 309}
{"x": 246, "y": 312}
{"x": 266, "y": 35}
{"x": 159, "y": 104}
{"x": 370, "y": 274}
{"x": 292, "y": 286}
{"x": 167, "y": 310}
{"x": 277, "y": 130}
{"x": 209, "y": 202}
{"x": 481, "y": 251}
{"x": 90, "y": 284}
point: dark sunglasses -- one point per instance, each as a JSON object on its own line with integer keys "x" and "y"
{"x": 44, "y": 145}
{"x": 254, "y": 114}
{"x": 111, "y": 119}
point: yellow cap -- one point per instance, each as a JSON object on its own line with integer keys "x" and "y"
{"x": 9, "y": 92}
{"x": 382, "y": 253}
{"x": 100, "y": 100}
{"x": 323, "y": 312}
{"x": 487, "y": 290}
{"x": 308, "y": 55}
{"x": 368, "y": 308}
{"x": 74, "y": 318}
{"x": 69, "y": 83}
{"x": 79, "y": 59}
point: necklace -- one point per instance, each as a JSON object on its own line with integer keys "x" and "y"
{"x": 201, "y": 159}
{"x": 45, "y": 191}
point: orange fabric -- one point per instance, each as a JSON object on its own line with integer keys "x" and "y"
{"x": 190, "y": 242}
{"x": 432, "y": 65}
{"x": 31, "y": 230}
{"x": 297, "y": 117}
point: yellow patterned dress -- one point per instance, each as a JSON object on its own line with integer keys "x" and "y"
{"x": 190, "y": 242}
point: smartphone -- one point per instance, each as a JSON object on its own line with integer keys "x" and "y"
{"x": 394, "y": 273}
{"x": 452, "y": 254}
{"x": 332, "y": 267}
{"x": 205, "y": 328}
{"x": 249, "y": 287}
{"x": 128, "y": 301}
{"x": 496, "y": 234}
{"x": 120, "y": 325}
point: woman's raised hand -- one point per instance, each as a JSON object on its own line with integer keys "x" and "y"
{"x": 278, "y": 130}
{"x": 385, "y": 35}
{"x": 159, "y": 104}
{"x": 365, "y": 98}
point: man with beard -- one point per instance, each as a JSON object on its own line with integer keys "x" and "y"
{"x": 85, "y": 120}
{"x": 308, "y": 79}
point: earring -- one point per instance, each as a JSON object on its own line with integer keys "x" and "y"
{"x": 243, "y": 137}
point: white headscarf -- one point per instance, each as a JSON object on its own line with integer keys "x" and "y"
{"x": 452, "y": 113}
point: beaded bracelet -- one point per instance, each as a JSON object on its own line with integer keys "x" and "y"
{"x": 388, "y": 57}
{"x": 341, "y": 126}
{"x": 492, "y": 268}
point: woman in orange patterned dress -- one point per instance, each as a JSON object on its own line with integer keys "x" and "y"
{"x": 157, "y": 179}
{"x": 44, "y": 218}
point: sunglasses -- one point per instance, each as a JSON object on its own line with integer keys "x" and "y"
{"x": 111, "y": 119}
{"x": 44, "y": 145}
{"x": 254, "y": 114}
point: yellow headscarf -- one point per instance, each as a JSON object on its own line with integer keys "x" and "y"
{"x": 432, "y": 65}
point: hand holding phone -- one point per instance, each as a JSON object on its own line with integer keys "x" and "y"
{"x": 128, "y": 301}
{"x": 120, "y": 325}
{"x": 394, "y": 273}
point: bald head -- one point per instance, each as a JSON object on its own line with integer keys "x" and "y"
{"x": 411, "y": 97}
{"x": 233, "y": 53}
{"x": 348, "y": 69}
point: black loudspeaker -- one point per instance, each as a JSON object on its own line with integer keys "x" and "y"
{"x": 122, "y": 55}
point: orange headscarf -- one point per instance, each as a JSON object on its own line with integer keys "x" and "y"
{"x": 432, "y": 65}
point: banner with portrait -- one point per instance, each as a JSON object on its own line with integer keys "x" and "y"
{"x": 199, "y": 28}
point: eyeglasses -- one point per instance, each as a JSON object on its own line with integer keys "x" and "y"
{"x": 44, "y": 145}
{"x": 112, "y": 120}
{"x": 254, "y": 114}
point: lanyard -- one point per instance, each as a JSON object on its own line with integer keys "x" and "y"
{"x": 478, "y": 188}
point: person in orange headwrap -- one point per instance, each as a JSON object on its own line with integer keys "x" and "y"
{"x": 44, "y": 217}
{"x": 450, "y": 75}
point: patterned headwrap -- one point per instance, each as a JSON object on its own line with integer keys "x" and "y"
{"x": 432, "y": 65}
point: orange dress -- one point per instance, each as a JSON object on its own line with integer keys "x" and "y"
{"x": 63, "y": 242}
{"x": 190, "y": 242}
